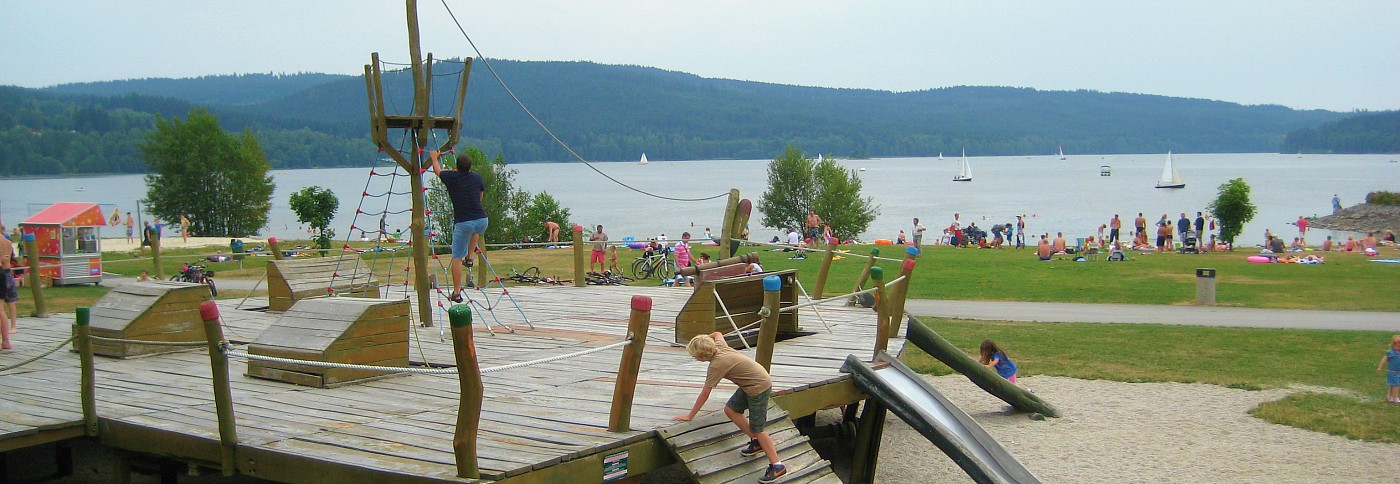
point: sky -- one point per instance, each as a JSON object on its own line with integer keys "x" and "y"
{"x": 1335, "y": 55}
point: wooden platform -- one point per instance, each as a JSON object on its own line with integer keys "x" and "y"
{"x": 710, "y": 446}
{"x": 539, "y": 423}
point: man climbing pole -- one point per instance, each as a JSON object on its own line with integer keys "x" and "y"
{"x": 467, "y": 191}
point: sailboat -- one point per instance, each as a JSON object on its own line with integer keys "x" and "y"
{"x": 1170, "y": 178}
{"x": 1062, "y": 153}
{"x": 644, "y": 159}
{"x": 966, "y": 173}
{"x": 940, "y": 155}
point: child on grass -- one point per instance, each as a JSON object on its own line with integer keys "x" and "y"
{"x": 993, "y": 357}
{"x": 1390, "y": 364}
{"x": 755, "y": 387}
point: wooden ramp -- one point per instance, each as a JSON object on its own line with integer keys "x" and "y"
{"x": 163, "y": 311}
{"x": 709, "y": 447}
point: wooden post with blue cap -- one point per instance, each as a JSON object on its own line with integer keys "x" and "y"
{"x": 223, "y": 394}
{"x": 901, "y": 291}
{"x": 620, "y": 418}
{"x": 469, "y": 378}
{"x": 579, "y": 281}
{"x": 768, "y": 330}
{"x": 87, "y": 389}
{"x": 31, "y": 251}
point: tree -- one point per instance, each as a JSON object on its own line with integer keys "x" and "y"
{"x": 315, "y": 207}
{"x": 220, "y": 180}
{"x": 1232, "y": 209}
{"x": 797, "y": 184}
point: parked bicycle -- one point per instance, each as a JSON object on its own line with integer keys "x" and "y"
{"x": 197, "y": 274}
{"x": 658, "y": 265}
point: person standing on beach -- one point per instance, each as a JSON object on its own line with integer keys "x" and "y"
{"x": 130, "y": 228}
{"x": 1336, "y": 203}
{"x": 184, "y": 227}
{"x": 1302, "y": 224}
{"x": 1113, "y": 226}
{"x": 918, "y": 233}
{"x": 1390, "y": 364}
{"x": 755, "y": 388}
{"x": 1140, "y": 224}
{"x": 1200, "y": 225}
{"x": 813, "y": 227}
{"x": 9, "y": 293}
{"x": 1183, "y": 224}
{"x": 1020, "y": 231}
{"x": 467, "y": 191}
{"x": 600, "y": 246}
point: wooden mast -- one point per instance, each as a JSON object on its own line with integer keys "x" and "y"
{"x": 421, "y": 123}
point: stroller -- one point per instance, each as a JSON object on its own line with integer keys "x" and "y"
{"x": 1188, "y": 245}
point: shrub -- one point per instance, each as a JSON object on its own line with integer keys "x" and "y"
{"x": 1383, "y": 198}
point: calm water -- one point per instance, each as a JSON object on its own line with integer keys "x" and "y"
{"x": 1056, "y": 195}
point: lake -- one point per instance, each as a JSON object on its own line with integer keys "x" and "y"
{"x": 1056, "y": 195}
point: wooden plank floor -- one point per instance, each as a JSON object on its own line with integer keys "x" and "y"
{"x": 533, "y": 417}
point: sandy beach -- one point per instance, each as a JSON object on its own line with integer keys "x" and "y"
{"x": 215, "y": 244}
{"x": 1141, "y": 432}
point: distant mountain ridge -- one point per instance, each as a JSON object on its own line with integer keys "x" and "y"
{"x": 614, "y": 113}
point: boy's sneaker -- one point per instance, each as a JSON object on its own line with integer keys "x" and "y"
{"x": 752, "y": 449}
{"x": 455, "y": 297}
{"x": 774, "y": 472}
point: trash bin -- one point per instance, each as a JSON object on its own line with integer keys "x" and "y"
{"x": 236, "y": 246}
{"x": 1205, "y": 286}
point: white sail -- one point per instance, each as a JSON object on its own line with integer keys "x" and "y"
{"x": 644, "y": 159}
{"x": 819, "y": 158}
{"x": 965, "y": 174}
{"x": 1062, "y": 152}
{"x": 940, "y": 155}
{"x": 1170, "y": 178}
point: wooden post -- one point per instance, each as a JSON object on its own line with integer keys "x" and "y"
{"x": 272, "y": 245}
{"x": 223, "y": 397}
{"x": 31, "y": 251}
{"x": 87, "y": 390}
{"x": 865, "y": 273}
{"x": 741, "y": 222}
{"x": 726, "y": 228}
{"x": 579, "y": 281}
{"x": 768, "y": 331}
{"x": 868, "y": 436}
{"x": 826, "y": 267}
{"x": 471, "y": 390}
{"x": 620, "y": 419}
{"x": 901, "y": 291}
{"x": 882, "y": 310}
{"x": 482, "y": 270}
{"x": 155, "y": 256}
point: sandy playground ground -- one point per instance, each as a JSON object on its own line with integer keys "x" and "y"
{"x": 215, "y": 244}
{"x": 1142, "y": 432}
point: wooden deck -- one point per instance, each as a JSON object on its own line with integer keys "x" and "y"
{"x": 538, "y": 423}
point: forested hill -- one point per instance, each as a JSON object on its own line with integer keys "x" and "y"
{"x": 618, "y": 112}
{"x": 1365, "y": 133}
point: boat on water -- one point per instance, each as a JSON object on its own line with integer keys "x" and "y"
{"x": 940, "y": 155}
{"x": 1170, "y": 178}
{"x": 965, "y": 174}
{"x": 1062, "y": 153}
{"x": 1105, "y": 170}
{"x": 643, "y": 161}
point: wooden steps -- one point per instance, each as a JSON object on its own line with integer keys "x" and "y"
{"x": 709, "y": 447}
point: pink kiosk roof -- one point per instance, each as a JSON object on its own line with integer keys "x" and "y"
{"x": 69, "y": 214}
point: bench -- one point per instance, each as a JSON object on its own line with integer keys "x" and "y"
{"x": 741, "y": 295}
{"x": 292, "y": 280}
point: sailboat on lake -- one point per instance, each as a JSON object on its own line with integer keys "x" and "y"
{"x": 1062, "y": 153}
{"x": 964, "y": 175}
{"x": 643, "y": 160}
{"x": 1170, "y": 178}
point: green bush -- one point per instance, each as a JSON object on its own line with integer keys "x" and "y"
{"x": 1383, "y": 198}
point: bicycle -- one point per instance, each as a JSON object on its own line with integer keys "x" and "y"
{"x": 532, "y": 276}
{"x": 657, "y": 265}
{"x": 607, "y": 278}
{"x": 197, "y": 274}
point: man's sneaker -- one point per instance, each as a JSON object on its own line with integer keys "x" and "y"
{"x": 456, "y": 296}
{"x": 752, "y": 449}
{"x": 774, "y": 472}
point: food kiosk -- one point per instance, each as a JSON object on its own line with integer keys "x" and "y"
{"x": 68, "y": 241}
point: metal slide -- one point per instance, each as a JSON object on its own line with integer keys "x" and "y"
{"x": 928, "y": 411}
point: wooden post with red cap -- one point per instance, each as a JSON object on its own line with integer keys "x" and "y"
{"x": 31, "y": 254}
{"x": 87, "y": 389}
{"x": 223, "y": 396}
{"x": 768, "y": 330}
{"x": 471, "y": 390}
{"x": 272, "y": 245}
{"x": 620, "y": 419}
{"x": 579, "y": 281}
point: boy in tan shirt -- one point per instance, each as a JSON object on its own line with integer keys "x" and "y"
{"x": 755, "y": 387}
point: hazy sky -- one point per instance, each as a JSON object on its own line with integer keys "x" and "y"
{"x": 1337, "y": 55}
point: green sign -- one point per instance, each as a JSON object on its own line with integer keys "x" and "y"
{"x": 614, "y": 466}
